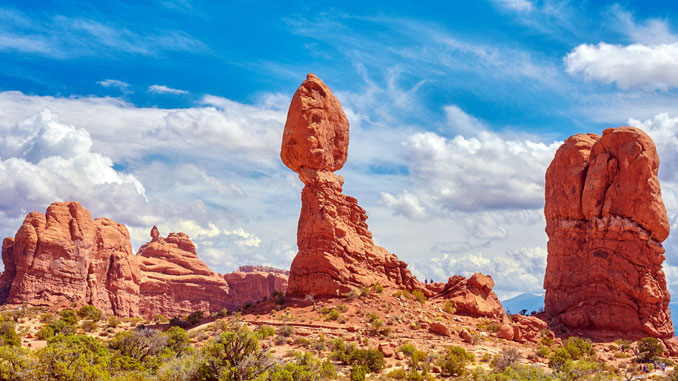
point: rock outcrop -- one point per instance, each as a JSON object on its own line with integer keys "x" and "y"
{"x": 606, "y": 220}
{"x": 175, "y": 282}
{"x": 473, "y": 296}
{"x": 336, "y": 252}
{"x": 63, "y": 258}
{"x": 251, "y": 286}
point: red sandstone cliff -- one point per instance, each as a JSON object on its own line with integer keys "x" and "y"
{"x": 63, "y": 257}
{"x": 606, "y": 220}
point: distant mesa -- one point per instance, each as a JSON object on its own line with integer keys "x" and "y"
{"x": 64, "y": 259}
{"x": 605, "y": 219}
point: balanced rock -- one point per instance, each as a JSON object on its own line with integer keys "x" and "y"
{"x": 63, "y": 258}
{"x": 175, "y": 282}
{"x": 336, "y": 252}
{"x": 605, "y": 219}
{"x": 473, "y": 296}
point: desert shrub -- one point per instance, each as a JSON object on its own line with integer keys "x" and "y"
{"x": 286, "y": 331}
{"x": 453, "y": 361}
{"x": 543, "y": 351}
{"x": 160, "y": 318}
{"x": 419, "y": 296}
{"x": 279, "y": 298}
{"x": 177, "y": 341}
{"x": 306, "y": 368}
{"x": 182, "y": 368}
{"x": 578, "y": 347}
{"x": 449, "y": 307}
{"x": 45, "y": 333}
{"x": 358, "y": 373}
{"x": 333, "y": 315}
{"x": 72, "y": 357}
{"x": 378, "y": 288}
{"x": 649, "y": 349}
{"x": 139, "y": 346}
{"x": 350, "y": 354}
{"x": 507, "y": 358}
{"x": 234, "y": 355}
{"x": 397, "y": 374}
{"x": 547, "y": 340}
{"x": 416, "y": 358}
{"x": 515, "y": 372}
{"x": 194, "y": 318}
{"x": 15, "y": 364}
{"x": 88, "y": 325}
{"x": 265, "y": 331}
{"x": 177, "y": 322}
{"x": 90, "y": 312}
{"x": 407, "y": 348}
{"x": 222, "y": 313}
{"x": 47, "y": 317}
{"x": 8, "y": 335}
{"x": 113, "y": 321}
{"x": 342, "y": 308}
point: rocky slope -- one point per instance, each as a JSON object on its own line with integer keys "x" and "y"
{"x": 606, "y": 220}
{"x": 63, "y": 258}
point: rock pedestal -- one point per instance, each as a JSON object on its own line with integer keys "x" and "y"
{"x": 336, "y": 252}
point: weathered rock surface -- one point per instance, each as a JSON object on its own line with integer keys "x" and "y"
{"x": 64, "y": 258}
{"x": 605, "y": 219}
{"x": 336, "y": 252}
{"x": 473, "y": 296}
{"x": 252, "y": 286}
{"x": 262, "y": 269}
{"x": 175, "y": 282}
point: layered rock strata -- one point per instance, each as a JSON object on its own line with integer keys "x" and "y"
{"x": 251, "y": 286}
{"x": 336, "y": 252}
{"x": 64, "y": 258}
{"x": 174, "y": 281}
{"x": 605, "y": 220}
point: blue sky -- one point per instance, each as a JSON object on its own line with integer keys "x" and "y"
{"x": 171, "y": 113}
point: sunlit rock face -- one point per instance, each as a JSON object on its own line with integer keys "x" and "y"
{"x": 63, "y": 258}
{"x": 336, "y": 252}
{"x": 605, "y": 220}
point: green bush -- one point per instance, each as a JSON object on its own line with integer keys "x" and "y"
{"x": 333, "y": 315}
{"x": 90, "y": 312}
{"x": 453, "y": 361}
{"x": 378, "y": 288}
{"x": 8, "y": 334}
{"x": 286, "y": 331}
{"x": 72, "y": 357}
{"x": 649, "y": 349}
{"x": 113, "y": 321}
{"x": 234, "y": 355}
{"x": 265, "y": 331}
{"x": 358, "y": 373}
{"x": 449, "y": 307}
{"x": 88, "y": 325}
{"x": 419, "y": 295}
{"x": 194, "y": 318}
{"x": 14, "y": 363}
{"x": 407, "y": 348}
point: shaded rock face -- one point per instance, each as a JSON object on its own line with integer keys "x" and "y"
{"x": 473, "y": 296}
{"x": 605, "y": 219}
{"x": 336, "y": 252}
{"x": 64, "y": 258}
{"x": 252, "y": 286}
{"x": 175, "y": 282}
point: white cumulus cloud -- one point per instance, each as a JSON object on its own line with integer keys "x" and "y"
{"x": 628, "y": 66}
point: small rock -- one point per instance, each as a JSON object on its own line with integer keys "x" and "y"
{"x": 386, "y": 349}
{"x": 290, "y": 341}
{"x": 399, "y": 356}
{"x": 466, "y": 336}
{"x": 439, "y": 329}
{"x": 505, "y": 332}
{"x": 436, "y": 369}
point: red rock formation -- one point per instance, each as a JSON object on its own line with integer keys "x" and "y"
{"x": 175, "y": 282}
{"x": 262, "y": 269}
{"x": 606, "y": 220}
{"x": 336, "y": 252}
{"x": 64, "y": 258}
{"x": 252, "y": 286}
{"x": 473, "y": 296}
